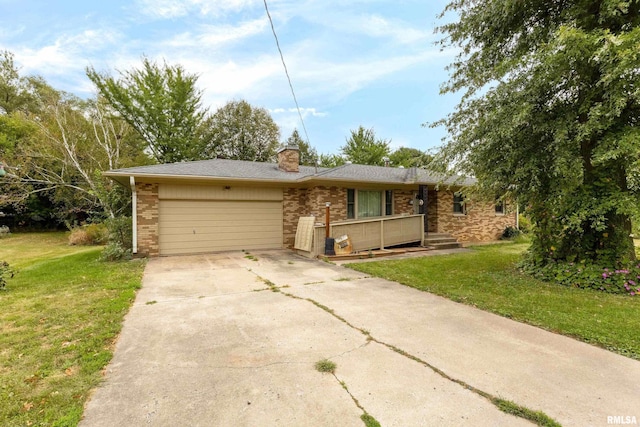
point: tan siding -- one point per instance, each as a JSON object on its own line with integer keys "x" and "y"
{"x": 195, "y": 226}
{"x": 219, "y": 192}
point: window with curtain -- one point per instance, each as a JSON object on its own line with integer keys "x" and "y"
{"x": 369, "y": 204}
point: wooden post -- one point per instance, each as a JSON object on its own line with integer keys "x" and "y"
{"x": 327, "y": 219}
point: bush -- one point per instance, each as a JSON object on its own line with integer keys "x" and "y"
{"x": 120, "y": 240}
{"x": 120, "y": 231}
{"x": 524, "y": 224}
{"x": 5, "y": 272}
{"x": 510, "y": 233}
{"x": 90, "y": 234}
{"x": 115, "y": 252}
{"x": 588, "y": 276}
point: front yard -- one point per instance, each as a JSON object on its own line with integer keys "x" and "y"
{"x": 487, "y": 278}
{"x": 60, "y": 316}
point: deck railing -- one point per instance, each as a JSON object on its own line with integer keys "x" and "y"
{"x": 372, "y": 233}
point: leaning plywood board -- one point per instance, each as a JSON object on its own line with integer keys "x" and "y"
{"x": 304, "y": 233}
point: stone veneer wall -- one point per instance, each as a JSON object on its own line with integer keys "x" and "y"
{"x": 480, "y": 224}
{"x": 147, "y": 217}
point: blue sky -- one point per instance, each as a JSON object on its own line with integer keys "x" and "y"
{"x": 352, "y": 62}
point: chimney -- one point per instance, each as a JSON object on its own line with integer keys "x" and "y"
{"x": 289, "y": 158}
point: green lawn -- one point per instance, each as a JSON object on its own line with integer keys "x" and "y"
{"x": 60, "y": 316}
{"x": 487, "y": 278}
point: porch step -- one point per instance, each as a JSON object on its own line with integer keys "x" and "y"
{"x": 441, "y": 241}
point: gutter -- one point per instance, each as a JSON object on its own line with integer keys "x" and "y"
{"x": 134, "y": 215}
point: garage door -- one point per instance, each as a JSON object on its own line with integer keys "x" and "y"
{"x": 197, "y": 226}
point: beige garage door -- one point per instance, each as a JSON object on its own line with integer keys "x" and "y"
{"x": 196, "y": 226}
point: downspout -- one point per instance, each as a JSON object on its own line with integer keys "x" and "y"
{"x": 134, "y": 216}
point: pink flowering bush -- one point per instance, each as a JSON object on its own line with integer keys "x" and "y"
{"x": 589, "y": 276}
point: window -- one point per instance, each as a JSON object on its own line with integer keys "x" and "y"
{"x": 351, "y": 203}
{"x": 369, "y": 204}
{"x": 458, "y": 204}
{"x": 388, "y": 202}
{"x": 500, "y": 207}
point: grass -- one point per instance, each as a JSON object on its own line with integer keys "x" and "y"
{"x": 487, "y": 278}
{"x": 325, "y": 365}
{"x": 537, "y": 417}
{"x": 60, "y": 316}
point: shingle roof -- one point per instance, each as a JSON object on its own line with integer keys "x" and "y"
{"x": 238, "y": 169}
{"x": 221, "y": 168}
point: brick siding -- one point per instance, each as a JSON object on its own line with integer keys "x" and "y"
{"x": 147, "y": 217}
{"x": 294, "y": 205}
{"x": 480, "y": 224}
{"x": 401, "y": 199}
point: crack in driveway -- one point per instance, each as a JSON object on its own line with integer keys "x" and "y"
{"x": 502, "y": 404}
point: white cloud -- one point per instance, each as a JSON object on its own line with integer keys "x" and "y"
{"x": 167, "y": 9}
{"x": 214, "y": 35}
{"x": 399, "y": 31}
{"x": 303, "y": 111}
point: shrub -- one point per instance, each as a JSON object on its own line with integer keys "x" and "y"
{"x": 115, "y": 252}
{"x": 120, "y": 231}
{"x": 510, "y": 233}
{"x": 120, "y": 239}
{"x": 588, "y": 276}
{"x": 5, "y": 272}
{"x": 524, "y": 224}
{"x": 90, "y": 234}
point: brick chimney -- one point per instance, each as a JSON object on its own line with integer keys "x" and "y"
{"x": 289, "y": 158}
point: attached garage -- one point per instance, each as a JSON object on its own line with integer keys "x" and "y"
{"x": 196, "y": 219}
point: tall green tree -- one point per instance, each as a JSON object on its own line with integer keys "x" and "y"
{"x": 17, "y": 93}
{"x": 550, "y": 114}
{"x": 410, "y": 157}
{"x": 308, "y": 155}
{"x": 162, "y": 103}
{"x": 330, "y": 160}
{"x": 240, "y": 131}
{"x": 363, "y": 148}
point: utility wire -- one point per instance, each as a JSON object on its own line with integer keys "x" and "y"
{"x": 287, "y": 73}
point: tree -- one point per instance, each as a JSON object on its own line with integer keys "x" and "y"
{"x": 363, "y": 148}
{"x": 15, "y": 90}
{"x": 330, "y": 160}
{"x": 308, "y": 155}
{"x": 69, "y": 144}
{"x": 410, "y": 157}
{"x": 162, "y": 103}
{"x": 239, "y": 131}
{"x": 549, "y": 115}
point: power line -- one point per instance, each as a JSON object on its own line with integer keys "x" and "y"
{"x": 286, "y": 71}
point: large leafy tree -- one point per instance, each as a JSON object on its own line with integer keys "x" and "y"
{"x": 73, "y": 143}
{"x": 410, "y": 157}
{"x": 162, "y": 103}
{"x": 240, "y": 131}
{"x": 363, "y": 148}
{"x": 550, "y": 115}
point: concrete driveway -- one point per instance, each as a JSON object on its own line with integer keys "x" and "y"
{"x": 231, "y": 339}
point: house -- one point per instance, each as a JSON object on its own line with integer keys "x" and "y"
{"x": 218, "y": 205}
